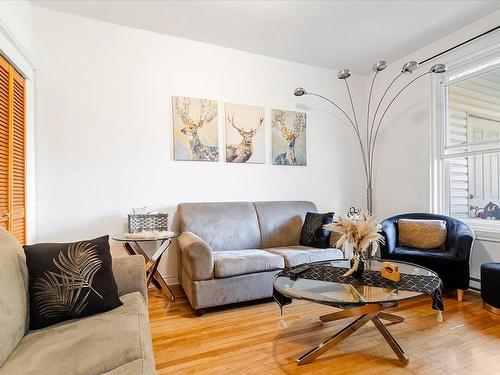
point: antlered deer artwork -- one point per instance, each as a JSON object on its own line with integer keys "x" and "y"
{"x": 289, "y": 137}
{"x": 195, "y": 129}
{"x": 245, "y": 141}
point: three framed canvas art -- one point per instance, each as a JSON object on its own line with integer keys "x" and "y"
{"x": 196, "y": 135}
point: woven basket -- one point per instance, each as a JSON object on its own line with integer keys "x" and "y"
{"x": 147, "y": 222}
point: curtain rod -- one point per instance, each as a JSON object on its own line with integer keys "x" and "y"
{"x": 459, "y": 45}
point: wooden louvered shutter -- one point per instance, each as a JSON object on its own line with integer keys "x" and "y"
{"x": 12, "y": 151}
{"x": 4, "y": 142}
{"x": 17, "y": 208}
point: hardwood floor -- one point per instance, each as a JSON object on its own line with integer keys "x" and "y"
{"x": 247, "y": 339}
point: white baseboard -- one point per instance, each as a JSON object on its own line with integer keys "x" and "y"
{"x": 171, "y": 279}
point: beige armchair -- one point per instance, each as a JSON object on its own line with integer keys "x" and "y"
{"x": 114, "y": 342}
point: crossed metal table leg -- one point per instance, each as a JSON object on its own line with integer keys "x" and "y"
{"x": 366, "y": 313}
{"x": 152, "y": 275}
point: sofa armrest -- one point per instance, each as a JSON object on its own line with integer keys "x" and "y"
{"x": 196, "y": 256}
{"x": 461, "y": 247}
{"x": 130, "y": 276}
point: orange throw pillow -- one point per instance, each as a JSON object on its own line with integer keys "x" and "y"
{"x": 422, "y": 234}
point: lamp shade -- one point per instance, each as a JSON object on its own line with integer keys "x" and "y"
{"x": 409, "y": 67}
{"x": 438, "y": 68}
{"x": 299, "y": 91}
{"x": 344, "y": 74}
{"x": 379, "y": 66}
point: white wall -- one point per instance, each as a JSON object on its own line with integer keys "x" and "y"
{"x": 16, "y": 16}
{"x": 104, "y": 127}
{"x": 403, "y": 174}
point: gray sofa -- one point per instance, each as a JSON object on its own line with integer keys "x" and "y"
{"x": 230, "y": 252}
{"x": 114, "y": 342}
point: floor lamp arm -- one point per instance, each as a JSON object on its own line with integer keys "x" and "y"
{"x": 383, "y": 115}
{"x": 378, "y": 107}
{"x": 368, "y": 113}
{"x": 354, "y": 128}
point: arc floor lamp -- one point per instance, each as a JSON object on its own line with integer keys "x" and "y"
{"x": 368, "y": 142}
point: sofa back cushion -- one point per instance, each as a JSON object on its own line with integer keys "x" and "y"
{"x": 281, "y": 222}
{"x": 223, "y": 225}
{"x": 13, "y": 294}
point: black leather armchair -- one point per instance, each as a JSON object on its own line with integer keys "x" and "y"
{"x": 451, "y": 263}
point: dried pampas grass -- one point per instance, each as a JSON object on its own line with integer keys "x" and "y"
{"x": 359, "y": 234}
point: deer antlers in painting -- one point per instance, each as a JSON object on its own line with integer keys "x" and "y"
{"x": 279, "y": 123}
{"x": 208, "y": 110}
{"x": 240, "y": 153}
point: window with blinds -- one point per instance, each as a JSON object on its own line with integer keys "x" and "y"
{"x": 471, "y": 140}
{"x": 12, "y": 151}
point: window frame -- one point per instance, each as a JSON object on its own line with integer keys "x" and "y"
{"x": 474, "y": 64}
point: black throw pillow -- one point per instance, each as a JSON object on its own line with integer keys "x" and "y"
{"x": 70, "y": 280}
{"x": 313, "y": 234}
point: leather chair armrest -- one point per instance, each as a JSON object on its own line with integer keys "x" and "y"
{"x": 390, "y": 233}
{"x": 130, "y": 276}
{"x": 464, "y": 240}
{"x": 196, "y": 256}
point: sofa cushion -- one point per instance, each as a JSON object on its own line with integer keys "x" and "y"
{"x": 240, "y": 262}
{"x": 295, "y": 255}
{"x": 137, "y": 367}
{"x": 91, "y": 345}
{"x": 430, "y": 258}
{"x": 223, "y": 225}
{"x": 13, "y": 294}
{"x": 280, "y": 223}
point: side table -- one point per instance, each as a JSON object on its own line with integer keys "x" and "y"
{"x": 131, "y": 243}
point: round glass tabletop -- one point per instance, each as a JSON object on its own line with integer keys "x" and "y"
{"x": 336, "y": 293}
{"x": 143, "y": 236}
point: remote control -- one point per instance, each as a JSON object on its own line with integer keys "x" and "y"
{"x": 298, "y": 271}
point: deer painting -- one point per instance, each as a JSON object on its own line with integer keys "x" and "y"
{"x": 240, "y": 153}
{"x": 288, "y": 137}
{"x": 193, "y": 125}
{"x": 245, "y": 137}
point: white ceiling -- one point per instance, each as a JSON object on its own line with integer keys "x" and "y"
{"x": 331, "y": 34}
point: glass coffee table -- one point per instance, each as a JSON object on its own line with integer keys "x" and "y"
{"x": 364, "y": 302}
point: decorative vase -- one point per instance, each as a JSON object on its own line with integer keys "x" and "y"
{"x": 357, "y": 264}
{"x": 358, "y": 271}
